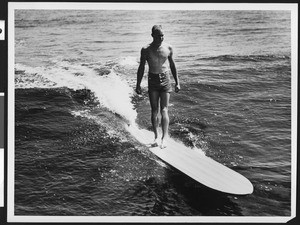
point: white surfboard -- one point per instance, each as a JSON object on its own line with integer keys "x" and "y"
{"x": 196, "y": 165}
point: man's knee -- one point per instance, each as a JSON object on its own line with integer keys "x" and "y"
{"x": 164, "y": 111}
{"x": 154, "y": 111}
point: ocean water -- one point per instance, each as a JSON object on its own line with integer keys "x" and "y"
{"x": 75, "y": 74}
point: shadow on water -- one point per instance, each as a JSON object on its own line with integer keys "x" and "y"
{"x": 195, "y": 198}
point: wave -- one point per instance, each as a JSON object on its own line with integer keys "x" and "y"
{"x": 110, "y": 90}
{"x": 255, "y": 58}
{"x": 47, "y": 21}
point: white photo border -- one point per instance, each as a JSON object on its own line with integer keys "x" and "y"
{"x": 12, "y": 6}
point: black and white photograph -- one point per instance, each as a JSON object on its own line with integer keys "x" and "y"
{"x": 162, "y": 112}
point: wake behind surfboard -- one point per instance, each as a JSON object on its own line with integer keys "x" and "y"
{"x": 196, "y": 165}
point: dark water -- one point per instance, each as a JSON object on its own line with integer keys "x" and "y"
{"x": 74, "y": 93}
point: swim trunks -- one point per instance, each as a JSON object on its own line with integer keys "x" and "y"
{"x": 159, "y": 82}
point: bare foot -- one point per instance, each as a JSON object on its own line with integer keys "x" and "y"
{"x": 155, "y": 143}
{"x": 163, "y": 144}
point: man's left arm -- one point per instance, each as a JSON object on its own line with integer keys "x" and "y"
{"x": 174, "y": 70}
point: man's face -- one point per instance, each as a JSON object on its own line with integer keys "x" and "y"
{"x": 158, "y": 36}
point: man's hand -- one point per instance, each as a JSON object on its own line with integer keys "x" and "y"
{"x": 138, "y": 90}
{"x": 177, "y": 88}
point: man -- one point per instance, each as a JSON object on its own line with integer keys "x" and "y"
{"x": 159, "y": 57}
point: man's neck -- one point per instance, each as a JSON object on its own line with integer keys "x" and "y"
{"x": 156, "y": 45}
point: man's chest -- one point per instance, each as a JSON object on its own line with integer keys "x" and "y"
{"x": 160, "y": 53}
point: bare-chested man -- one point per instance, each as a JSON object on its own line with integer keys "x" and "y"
{"x": 159, "y": 57}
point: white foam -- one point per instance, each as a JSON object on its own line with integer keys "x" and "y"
{"x": 129, "y": 61}
{"x": 115, "y": 94}
{"x": 145, "y": 137}
{"x": 111, "y": 90}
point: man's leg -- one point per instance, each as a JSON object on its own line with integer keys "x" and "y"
{"x": 154, "y": 102}
{"x": 164, "y": 104}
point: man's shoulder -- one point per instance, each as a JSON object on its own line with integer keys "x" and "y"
{"x": 146, "y": 47}
{"x": 168, "y": 46}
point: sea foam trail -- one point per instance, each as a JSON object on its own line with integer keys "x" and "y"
{"x": 111, "y": 90}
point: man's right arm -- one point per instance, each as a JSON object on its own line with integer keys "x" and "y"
{"x": 141, "y": 70}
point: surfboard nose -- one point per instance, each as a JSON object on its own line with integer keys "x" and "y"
{"x": 246, "y": 189}
{"x": 233, "y": 182}
{"x": 250, "y": 188}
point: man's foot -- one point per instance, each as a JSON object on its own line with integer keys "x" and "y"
{"x": 155, "y": 143}
{"x": 163, "y": 144}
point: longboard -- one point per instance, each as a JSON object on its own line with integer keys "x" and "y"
{"x": 196, "y": 165}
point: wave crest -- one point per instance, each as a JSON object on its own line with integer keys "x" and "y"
{"x": 112, "y": 91}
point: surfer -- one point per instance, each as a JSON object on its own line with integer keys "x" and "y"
{"x": 159, "y": 57}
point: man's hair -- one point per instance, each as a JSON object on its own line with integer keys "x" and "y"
{"x": 156, "y": 28}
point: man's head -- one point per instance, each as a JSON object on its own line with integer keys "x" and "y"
{"x": 157, "y": 34}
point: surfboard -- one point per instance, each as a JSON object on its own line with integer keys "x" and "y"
{"x": 196, "y": 164}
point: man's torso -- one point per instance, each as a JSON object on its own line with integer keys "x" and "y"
{"x": 157, "y": 58}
